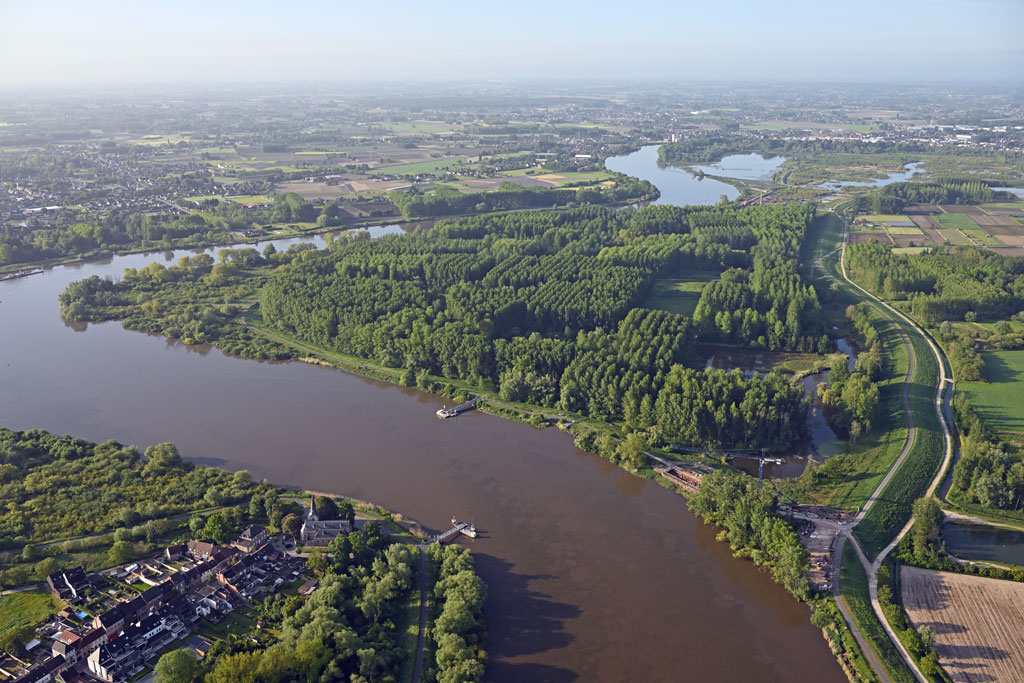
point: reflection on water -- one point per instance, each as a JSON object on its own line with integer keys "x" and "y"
{"x": 743, "y": 166}
{"x": 986, "y": 543}
{"x": 677, "y": 186}
{"x": 822, "y": 442}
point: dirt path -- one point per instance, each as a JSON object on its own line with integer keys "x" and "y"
{"x": 418, "y": 667}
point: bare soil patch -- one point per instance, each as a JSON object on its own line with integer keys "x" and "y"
{"x": 1005, "y": 221}
{"x": 922, "y": 208}
{"x": 977, "y": 622}
{"x": 1008, "y": 251}
{"x": 910, "y": 240}
{"x": 1010, "y": 240}
{"x": 867, "y": 237}
{"x": 922, "y": 221}
{"x": 956, "y": 208}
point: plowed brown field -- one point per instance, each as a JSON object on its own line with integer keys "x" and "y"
{"x": 977, "y": 622}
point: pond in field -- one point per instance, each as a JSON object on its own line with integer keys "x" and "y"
{"x": 593, "y": 574}
{"x": 984, "y": 543}
{"x": 910, "y": 170}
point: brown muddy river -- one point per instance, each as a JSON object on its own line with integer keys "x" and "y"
{"x": 594, "y": 574}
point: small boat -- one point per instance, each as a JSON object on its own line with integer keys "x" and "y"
{"x": 20, "y": 273}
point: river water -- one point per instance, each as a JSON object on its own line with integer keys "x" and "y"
{"x": 594, "y": 574}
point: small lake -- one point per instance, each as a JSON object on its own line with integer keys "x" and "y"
{"x": 911, "y": 169}
{"x": 822, "y": 443}
{"x": 743, "y": 167}
{"x": 984, "y": 543}
{"x": 678, "y": 186}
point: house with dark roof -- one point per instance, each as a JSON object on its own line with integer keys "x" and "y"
{"x": 116, "y": 660}
{"x": 44, "y": 671}
{"x": 252, "y": 538}
{"x": 68, "y": 584}
{"x": 173, "y": 553}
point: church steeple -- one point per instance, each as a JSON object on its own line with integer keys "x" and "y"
{"x": 312, "y": 510}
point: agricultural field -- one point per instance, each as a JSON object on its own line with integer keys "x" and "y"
{"x": 884, "y": 218}
{"x": 422, "y": 127}
{"x": 561, "y": 178}
{"x": 977, "y": 622}
{"x": 430, "y": 166}
{"x": 999, "y": 401}
{"x": 956, "y": 221}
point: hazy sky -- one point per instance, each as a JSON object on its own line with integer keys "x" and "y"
{"x": 100, "y": 41}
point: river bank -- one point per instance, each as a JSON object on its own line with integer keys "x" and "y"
{"x": 548, "y": 509}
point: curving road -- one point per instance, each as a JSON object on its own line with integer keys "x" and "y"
{"x": 943, "y": 399}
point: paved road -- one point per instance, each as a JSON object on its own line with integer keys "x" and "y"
{"x": 944, "y": 413}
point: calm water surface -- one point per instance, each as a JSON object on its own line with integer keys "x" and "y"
{"x": 744, "y": 166}
{"x": 677, "y": 186}
{"x": 594, "y": 574}
{"x": 985, "y": 543}
{"x": 898, "y": 177}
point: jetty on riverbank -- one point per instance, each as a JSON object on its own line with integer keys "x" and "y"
{"x": 445, "y": 413}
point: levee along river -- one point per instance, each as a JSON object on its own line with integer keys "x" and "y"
{"x": 594, "y": 574}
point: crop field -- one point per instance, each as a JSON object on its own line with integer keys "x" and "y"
{"x": 999, "y": 401}
{"x": 424, "y": 127}
{"x": 982, "y": 237}
{"x": 954, "y": 236}
{"x": 955, "y": 220}
{"x": 884, "y": 218}
{"x": 866, "y": 237}
{"x": 558, "y": 179}
{"x": 432, "y": 166}
{"x": 977, "y": 622}
{"x": 901, "y": 230}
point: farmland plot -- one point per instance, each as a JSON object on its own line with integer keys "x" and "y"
{"x": 977, "y": 622}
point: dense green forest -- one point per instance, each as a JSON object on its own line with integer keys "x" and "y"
{"x": 895, "y": 197}
{"x": 447, "y": 201}
{"x": 120, "y": 230}
{"x": 712, "y": 147}
{"x": 753, "y": 528}
{"x": 53, "y": 487}
{"x": 545, "y": 307}
{"x": 946, "y": 284}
